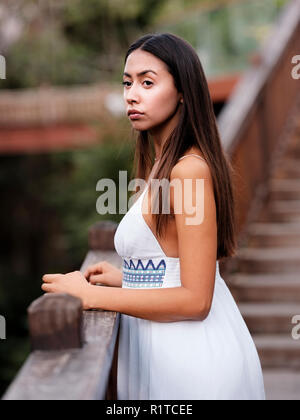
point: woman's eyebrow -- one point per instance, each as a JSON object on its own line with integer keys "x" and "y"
{"x": 141, "y": 73}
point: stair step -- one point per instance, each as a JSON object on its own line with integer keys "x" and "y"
{"x": 269, "y": 318}
{"x": 282, "y": 211}
{"x": 274, "y": 234}
{"x": 285, "y": 189}
{"x": 290, "y": 168}
{"x": 278, "y": 350}
{"x": 281, "y": 383}
{"x": 293, "y": 153}
{"x": 265, "y": 287}
{"x": 269, "y": 260}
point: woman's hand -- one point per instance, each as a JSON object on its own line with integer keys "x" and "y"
{"x": 104, "y": 273}
{"x": 73, "y": 283}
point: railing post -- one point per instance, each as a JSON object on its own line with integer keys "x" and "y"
{"x": 55, "y": 322}
{"x": 101, "y": 235}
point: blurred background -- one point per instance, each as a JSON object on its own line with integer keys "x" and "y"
{"x": 63, "y": 124}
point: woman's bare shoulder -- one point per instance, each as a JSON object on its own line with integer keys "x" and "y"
{"x": 190, "y": 167}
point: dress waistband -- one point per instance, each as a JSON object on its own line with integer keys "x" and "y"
{"x": 150, "y": 272}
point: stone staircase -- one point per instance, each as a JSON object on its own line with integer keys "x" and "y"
{"x": 266, "y": 285}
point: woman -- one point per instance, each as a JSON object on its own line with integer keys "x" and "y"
{"x": 181, "y": 333}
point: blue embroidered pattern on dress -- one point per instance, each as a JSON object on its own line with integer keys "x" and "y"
{"x": 140, "y": 276}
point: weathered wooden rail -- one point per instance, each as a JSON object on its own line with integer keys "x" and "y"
{"x": 75, "y": 352}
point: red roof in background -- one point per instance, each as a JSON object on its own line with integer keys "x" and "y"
{"x": 220, "y": 88}
{"x": 46, "y": 139}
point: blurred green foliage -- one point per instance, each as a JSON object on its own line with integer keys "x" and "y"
{"x": 47, "y": 60}
{"x": 70, "y": 190}
{"x": 73, "y": 42}
{"x": 107, "y": 24}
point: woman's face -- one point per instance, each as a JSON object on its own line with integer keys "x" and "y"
{"x": 153, "y": 94}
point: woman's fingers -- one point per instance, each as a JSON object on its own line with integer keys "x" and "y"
{"x": 47, "y": 287}
{"x": 49, "y": 278}
{"x": 89, "y": 270}
{"x": 96, "y": 279}
{"x": 92, "y": 269}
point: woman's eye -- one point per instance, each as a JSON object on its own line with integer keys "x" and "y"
{"x": 145, "y": 81}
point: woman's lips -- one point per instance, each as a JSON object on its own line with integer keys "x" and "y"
{"x": 135, "y": 116}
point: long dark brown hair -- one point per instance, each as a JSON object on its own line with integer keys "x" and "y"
{"x": 197, "y": 127}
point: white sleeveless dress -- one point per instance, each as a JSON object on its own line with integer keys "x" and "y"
{"x": 214, "y": 359}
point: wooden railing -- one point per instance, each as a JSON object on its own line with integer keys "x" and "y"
{"x": 75, "y": 352}
{"x": 59, "y": 105}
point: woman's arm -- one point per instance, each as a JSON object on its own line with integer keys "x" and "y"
{"x": 196, "y": 226}
{"x": 164, "y": 305}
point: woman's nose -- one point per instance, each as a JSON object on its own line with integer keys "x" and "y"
{"x": 132, "y": 94}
